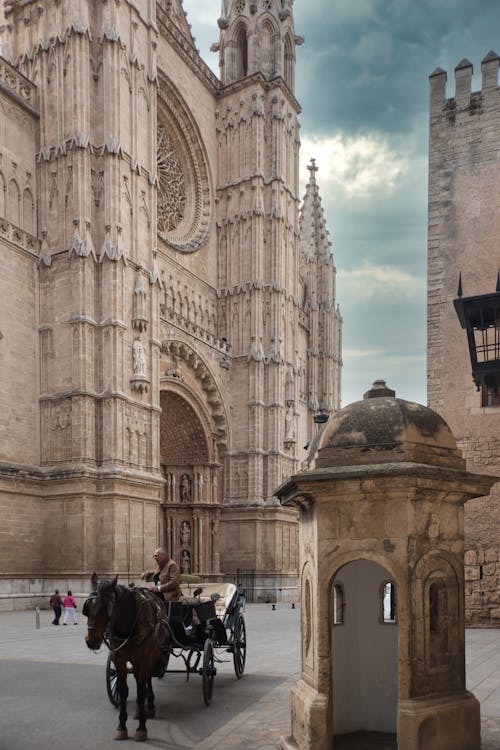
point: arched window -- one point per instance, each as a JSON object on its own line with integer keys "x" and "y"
{"x": 241, "y": 44}
{"x": 13, "y": 207}
{"x": 289, "y": 63}
{"x": 28, "y": 212}
{"x": 267, "y": 50}
{"x": 388, "y": 603}
{"x": 338, "y": 604}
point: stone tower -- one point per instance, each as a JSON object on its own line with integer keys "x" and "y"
{"x": 260, "y": 288}
{"x": 464, "y": 203}
{"x": 182, "y": 326}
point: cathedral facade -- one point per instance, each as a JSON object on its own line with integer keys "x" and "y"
{"x": 168, "y": 325}
{"x": 464, "y": 211}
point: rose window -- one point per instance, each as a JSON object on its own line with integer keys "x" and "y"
{"x": 240, "y": 6}
{"x": 172, "y": 184}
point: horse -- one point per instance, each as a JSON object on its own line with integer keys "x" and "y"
{"x": 133, "y": 624}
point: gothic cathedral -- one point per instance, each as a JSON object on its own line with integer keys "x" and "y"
{"x": 168, "y": 325}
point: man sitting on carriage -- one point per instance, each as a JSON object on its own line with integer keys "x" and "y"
{"x": 167, "y": 578}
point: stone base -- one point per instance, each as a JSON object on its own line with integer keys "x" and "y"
{"x": 311, "y": 720}
{"x": 451, "y": 722}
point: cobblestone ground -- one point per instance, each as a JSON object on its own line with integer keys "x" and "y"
{"x": 490, "y": 734}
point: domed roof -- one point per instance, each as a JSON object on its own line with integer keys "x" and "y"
{"x": 384, "y": 429}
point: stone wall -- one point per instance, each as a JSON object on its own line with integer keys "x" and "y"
{"x": 464, "y": 211}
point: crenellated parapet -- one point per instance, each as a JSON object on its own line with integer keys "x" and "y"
{"x": 464, "y": 99}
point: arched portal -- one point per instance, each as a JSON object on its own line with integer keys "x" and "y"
{"x": 364, "y": 653}
{"x": 192, "y": 489}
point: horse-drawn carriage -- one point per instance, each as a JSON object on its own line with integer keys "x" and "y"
{"x": 143, "y": 634}
{"x": 199, "y": 626}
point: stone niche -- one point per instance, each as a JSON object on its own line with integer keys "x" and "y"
{"x": 382, "y": 582}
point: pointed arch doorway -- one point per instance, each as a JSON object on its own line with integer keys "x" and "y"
{"x": 192, "y": 501}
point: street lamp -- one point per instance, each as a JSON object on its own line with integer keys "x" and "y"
{"x": 480, "y": 316}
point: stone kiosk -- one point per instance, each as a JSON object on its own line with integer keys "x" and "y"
{"x": 382, "y": 582}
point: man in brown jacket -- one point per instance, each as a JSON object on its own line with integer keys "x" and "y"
{"x": 167, "y": 578}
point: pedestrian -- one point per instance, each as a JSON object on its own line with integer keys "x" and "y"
{"x": 69, "y": 608}
{"x": 56, "y": 603}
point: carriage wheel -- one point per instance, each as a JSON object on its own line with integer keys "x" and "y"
{"x": 208, "y": 671}
{"x": 112, "y": 681}
{"x": 239, "y": 646}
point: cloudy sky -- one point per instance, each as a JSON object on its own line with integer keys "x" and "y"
{"x": 362, "y": 81}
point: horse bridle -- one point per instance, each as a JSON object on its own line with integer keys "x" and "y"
{"x": 107, "y": 635}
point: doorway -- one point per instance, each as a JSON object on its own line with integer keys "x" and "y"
{"x": 365, "y": 657}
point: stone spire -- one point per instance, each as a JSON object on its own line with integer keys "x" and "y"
{"x": 314, "y": 240}
{"x": 257, "y": 37}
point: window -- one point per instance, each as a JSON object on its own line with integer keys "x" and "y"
{"x": 388, "y": 603}
{"x": 490, "y": 396}
{"x": 338, "y": 604}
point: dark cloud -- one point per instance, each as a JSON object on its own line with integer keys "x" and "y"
{"x": 364, "y": 71}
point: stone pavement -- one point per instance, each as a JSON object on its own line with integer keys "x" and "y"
{"x": 262, "y": 715}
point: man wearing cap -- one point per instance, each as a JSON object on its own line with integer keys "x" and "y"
{"x": 167, "y": 578}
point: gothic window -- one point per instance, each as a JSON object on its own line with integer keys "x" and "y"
{"x": 241, "y": 53}
{"x": 172, "y": 185}
{"x": 267, "y": 50}
{"x": 388, "y": 603}
{"x": 338, "y": 604}
{"x": 289, "y": 63}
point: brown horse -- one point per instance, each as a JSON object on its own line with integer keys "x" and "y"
{"x": 133, "y": 624}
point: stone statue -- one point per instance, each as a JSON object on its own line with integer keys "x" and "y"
{"x": 185, "y": 489}
{"x": 185, "y": 561}
{"x": 138, "y": 357}
{"x": 185, "y": 534}
{"x": 290, "y": 424}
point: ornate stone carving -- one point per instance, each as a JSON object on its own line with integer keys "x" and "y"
{"x": 185, "y": 534}
{"x": 139, "y": 316}
{"x": 172, "y": 184}
{"x": 184, "y": 201}
{"x": 139, "y": 381}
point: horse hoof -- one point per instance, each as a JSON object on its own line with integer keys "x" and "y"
{"x": 121, "y": 734}
{"x": 141, "y": 735}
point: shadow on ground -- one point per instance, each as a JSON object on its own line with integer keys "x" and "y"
{"x": 366, "y": 741}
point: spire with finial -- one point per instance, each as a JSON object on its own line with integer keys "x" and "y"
{"x": 314, "y": 240}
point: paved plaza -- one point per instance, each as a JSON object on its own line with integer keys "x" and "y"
{"x": 53, "y": 695}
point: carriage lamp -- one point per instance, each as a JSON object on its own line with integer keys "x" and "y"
{"x": 480, "y": 316}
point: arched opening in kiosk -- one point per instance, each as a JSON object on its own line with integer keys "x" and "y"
{"x": 365, "y": 656}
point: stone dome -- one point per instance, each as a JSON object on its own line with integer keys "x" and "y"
{"x": 384, "y": 429}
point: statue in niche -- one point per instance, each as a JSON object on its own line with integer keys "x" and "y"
{"x": 185, "y": 489}
{"x": 185, "y": 561}
{"x": 138, "y": 357}
{"x": 290, "y": 425}
{"x": 185, "y": 534}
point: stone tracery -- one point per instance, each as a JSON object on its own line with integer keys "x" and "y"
{"x": 172, "y": 183}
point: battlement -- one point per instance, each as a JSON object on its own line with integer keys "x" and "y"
{"x": 464, "y": 97}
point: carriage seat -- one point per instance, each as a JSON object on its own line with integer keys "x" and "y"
{"x": 226, "y": 592}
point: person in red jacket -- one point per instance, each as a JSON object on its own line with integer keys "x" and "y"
{"x": 69, "y": 608}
